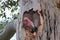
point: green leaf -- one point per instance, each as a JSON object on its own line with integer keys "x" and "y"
{"x": 12, "y": 10}
{"x": 1, "y": 14}
{"x": 1, "y": 26}
{"x": 4, "y": 15}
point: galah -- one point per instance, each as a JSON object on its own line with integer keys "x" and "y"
{"x": 30, "y": 24}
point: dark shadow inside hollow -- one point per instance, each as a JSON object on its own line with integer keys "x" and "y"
{"x": 33, "y": 16}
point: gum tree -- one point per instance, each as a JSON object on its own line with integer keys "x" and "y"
{"x": 49, "y": 15}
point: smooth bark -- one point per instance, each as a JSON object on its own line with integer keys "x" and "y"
{"x": 8, "y": 30}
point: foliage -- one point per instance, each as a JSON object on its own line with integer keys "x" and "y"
{"x": 12, "y": 5}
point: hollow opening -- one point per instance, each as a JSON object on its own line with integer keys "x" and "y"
{"x": 33, "y": 16}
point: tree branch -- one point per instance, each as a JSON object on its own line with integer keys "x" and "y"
{"x": 8, "y": 30}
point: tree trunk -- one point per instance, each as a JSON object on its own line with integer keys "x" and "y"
{"x": 49, "y": 15}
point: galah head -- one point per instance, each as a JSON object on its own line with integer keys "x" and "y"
{"x": 28, "y": 24}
